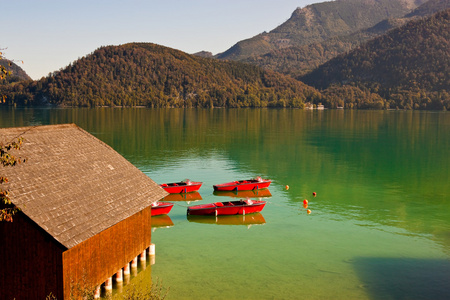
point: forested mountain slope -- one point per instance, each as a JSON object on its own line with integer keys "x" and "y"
{"x": 299, "y": 60}
{"x": 428, "y": 8}
{"x": 156, "y": 76}
{"x": 409, "y": 66}
{"x": 17, "y": 73}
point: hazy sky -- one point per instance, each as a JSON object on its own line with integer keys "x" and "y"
{"x": 49, "y": 34}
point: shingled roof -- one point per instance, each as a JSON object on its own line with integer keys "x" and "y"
{"x": 72, "y": 184}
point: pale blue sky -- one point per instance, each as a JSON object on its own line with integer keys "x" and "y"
{"x": 49, "y": 34}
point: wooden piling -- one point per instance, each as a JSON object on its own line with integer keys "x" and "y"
{"x": 126, "y": 269}
{"x": 143, "y": 255}
{"x": 152, "y": 250}
{"x": 108, "y": 284}
{"x": 119, "y": 276}
{"x": 97, "y": 292}
{"x": 134, "y": 262}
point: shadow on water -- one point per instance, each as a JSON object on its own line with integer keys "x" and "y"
{"x": 408, "y": 278}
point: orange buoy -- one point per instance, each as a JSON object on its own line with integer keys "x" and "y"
{"x": 305, "y": 201}
{"x": 287, "y": 187}
{"x": 305, "y": 205}
{"x": 308, "y": 211}
{"x": 314, "y": 194}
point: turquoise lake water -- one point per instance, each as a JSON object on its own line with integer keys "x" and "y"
{"x": 379, "y": 226}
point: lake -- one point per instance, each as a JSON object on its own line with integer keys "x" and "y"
{"x": 379, "y": 227}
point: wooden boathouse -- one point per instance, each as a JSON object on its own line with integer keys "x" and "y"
{"x": 85, "y": 213}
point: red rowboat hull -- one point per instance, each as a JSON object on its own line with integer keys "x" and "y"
{"x": 243, "y": 185}
{"x": 161, "y": 208}
{"x": 240, "y": 207}
{"x": 181, "y": 187}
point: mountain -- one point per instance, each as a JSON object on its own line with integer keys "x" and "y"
{"x": 428, "y": 8}
{"x": 409, "y": 66}
{"x": 156, "y": 76}
{"x": 17, "y": 73}
{"x": 319, "y": 22}
{"x": 299, "y": 60}
{"x": 206, "y": 54}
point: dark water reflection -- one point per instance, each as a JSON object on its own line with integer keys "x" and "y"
{"x": 404, "y": 278}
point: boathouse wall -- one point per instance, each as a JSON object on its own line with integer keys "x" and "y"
{"x": 101, "y": 256}
{"x": 31, "y": 261}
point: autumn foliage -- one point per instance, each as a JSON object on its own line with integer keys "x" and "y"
{"x": 144, "y": 74}
{"x": 7, "y": 208}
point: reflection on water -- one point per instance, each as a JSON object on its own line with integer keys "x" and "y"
{"x": 161, "y": 221}
{"x": 259, "y": 193}
{"x": 141, "y": 273}
{"x": 248, "y": 219}
{"x": 188, "y": 197}
{"x": 382, "y": 180}
{"x": 404, "y": 278}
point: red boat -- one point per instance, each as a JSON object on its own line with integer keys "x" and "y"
{"x": 243, "y": 185}
{"x": 240, "y": 207}
{"x": 186, "y": 186}
{"x": 161, "y": 208}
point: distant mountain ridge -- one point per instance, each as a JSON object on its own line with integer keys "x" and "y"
{"x": 17, "y": 73}
{"x": 428, "y": 8}
{"x": 409, "y": 67}
{"x": 297, "y": 61}
{"x": 319, "y": 22}
{"x": 145, "y": 74}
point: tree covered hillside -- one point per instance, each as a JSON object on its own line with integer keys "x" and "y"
{"x": 17, "y": 73}
{"x": 409, "y": 66}
{"x": 299, "y": 60}
{"x": 155, "y": 76}
{"x": 429, "y": 7}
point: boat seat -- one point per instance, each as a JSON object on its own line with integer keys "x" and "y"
{"x": 218, "y": 204}
{"x": 164, "y": 184}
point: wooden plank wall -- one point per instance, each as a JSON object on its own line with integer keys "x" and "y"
{"x": 101, "y": 256}
{"x": 31, "y": 261}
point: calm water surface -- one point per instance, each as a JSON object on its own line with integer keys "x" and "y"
{"x": 379, "y": 227}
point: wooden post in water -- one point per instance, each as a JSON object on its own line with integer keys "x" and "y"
{"x": 144, "y": 255}
{"x": 126, "y": 273}
{"x": 97, "y": 293}
{"x": 134, "y": 262}
{"x": 119, "y": 276}
{"x": 108, "y": 284}
{"x": 126, "y": 269}
{"x": 152, "y": 250}
{"x": 152, "y": 253}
